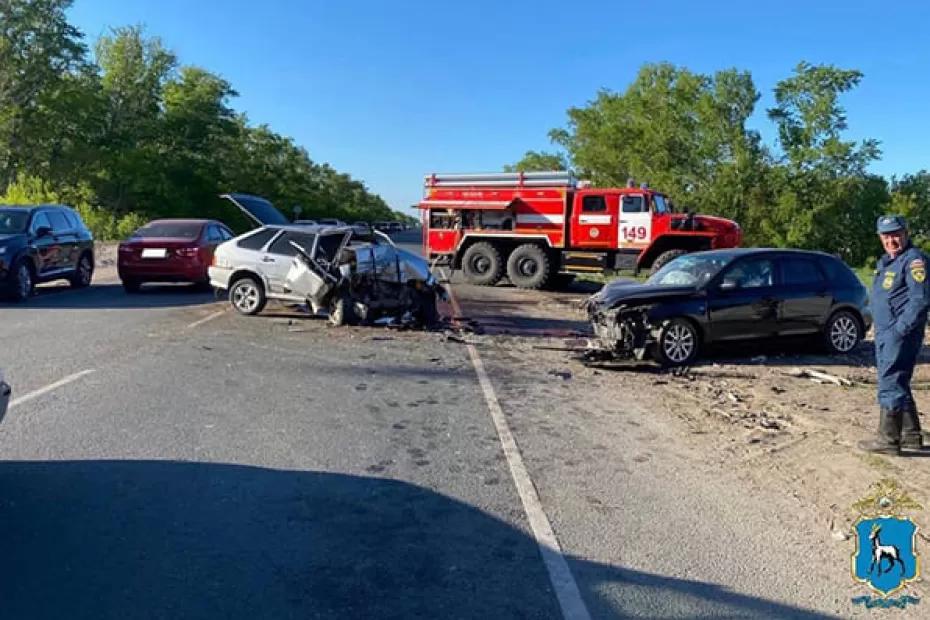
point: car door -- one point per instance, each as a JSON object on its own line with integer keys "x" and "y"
{"x": 276, "y": 261}
{"x": 46, "y": 249}
{"x": 805, "y": 296}
{"x": 635, "y": 229}
{"x": 742, "y": 303}
{"x": 66, "y": 240}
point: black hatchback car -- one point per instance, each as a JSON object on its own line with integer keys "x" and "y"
{"x": 41, "y": 244}
{"x": 730, "y": 295}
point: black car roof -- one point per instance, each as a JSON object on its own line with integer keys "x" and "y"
{"x": 35, "y": 207}
{"x": 740, "y": 252}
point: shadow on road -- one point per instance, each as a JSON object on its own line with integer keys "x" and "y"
{"x": 112, "y": 296}
{"x": 165, "y": 539}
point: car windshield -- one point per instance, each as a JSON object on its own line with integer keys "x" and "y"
{"x": 174, "y": 230}
{"x": 13, "y": 221}
{"x": 689, "y": 270}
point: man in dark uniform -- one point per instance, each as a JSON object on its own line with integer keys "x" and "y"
{"x": 900, "y": 300}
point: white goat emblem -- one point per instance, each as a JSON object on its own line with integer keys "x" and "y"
{"x": 882, "y": 552}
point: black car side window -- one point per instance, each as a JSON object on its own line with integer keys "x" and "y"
{"x": 800, "y": 272}
{"x": 258, "y": 240}
{"x": 40, "y": 220}
{"x": 60, "y": 224}
{"x": 751, "y": 273}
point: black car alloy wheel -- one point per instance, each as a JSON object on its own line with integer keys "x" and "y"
{"x": 843, "y": 332}
{"x": 678, "y": 343}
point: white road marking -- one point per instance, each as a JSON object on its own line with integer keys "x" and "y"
{"x": 206, "y": 318}
{"x": 48, "y": 388}
{"x": 560, "y": 575}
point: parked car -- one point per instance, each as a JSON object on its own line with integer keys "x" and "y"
{"x": 306, "y": 223}
{"x": 43, "y": 244}
{"x": 362, "y": 229}
{"x": 6, "y": 393}
{"x": 170, "y": 251}
{"x": 328, "y": 221}
{"x": 729, "y": 295}
{"x": 331, "y": 269}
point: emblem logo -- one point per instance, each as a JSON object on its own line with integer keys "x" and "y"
{"x": 885, "y": 558}
{"x": 888, "y": 281}
{"x": 918, "y": 270}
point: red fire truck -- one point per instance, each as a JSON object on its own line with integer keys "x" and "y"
{"x": 532, "y": 226}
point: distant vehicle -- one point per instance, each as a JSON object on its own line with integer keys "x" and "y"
{"x": 5, "y": 394}
{"x": 327, "y": 268}
{"x": 306, "y": 223}
{"x": 328, "y": 221}
{"x": 532, "y": 226}
{"x": 43, "y": 244}
{"x": 361, "y": 229}
{"x": 170, "y": 251}
{"x": 728, "y": 295}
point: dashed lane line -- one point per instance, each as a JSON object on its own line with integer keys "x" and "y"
{"x": 560, "y": 575}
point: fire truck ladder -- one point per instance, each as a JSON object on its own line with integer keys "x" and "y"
{"x": 503, "y": 179}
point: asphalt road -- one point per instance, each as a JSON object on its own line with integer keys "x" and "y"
{"x": 166, "y": 458}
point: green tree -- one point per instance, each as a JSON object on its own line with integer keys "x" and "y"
{"x": 539, "y": 161}
{"x": 41, "y": 55}
{"x": 823, "y": 178}
{"x": 680, "y": 131}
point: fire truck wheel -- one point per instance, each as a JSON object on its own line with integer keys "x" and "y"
{"x": 528, "y": 266}
{"x": 482, "y": 264}
{"x": 665, "y": 258}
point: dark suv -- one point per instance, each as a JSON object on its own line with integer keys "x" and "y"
{"x": 41, "y": 244}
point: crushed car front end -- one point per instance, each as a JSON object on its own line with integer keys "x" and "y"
{"x": 626, "y": 316}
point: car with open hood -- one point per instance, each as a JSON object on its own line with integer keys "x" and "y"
{"x": 731, "y": 295}
{"x": 354, "y": 279}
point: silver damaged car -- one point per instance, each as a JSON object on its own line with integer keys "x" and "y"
{"x": 355, "y": 279}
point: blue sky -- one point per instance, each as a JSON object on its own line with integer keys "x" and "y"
{"x": 390, "y": 91}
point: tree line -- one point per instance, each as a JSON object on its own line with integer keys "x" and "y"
{"x": 686, "y": 133}
{"x": 129, "y": 133}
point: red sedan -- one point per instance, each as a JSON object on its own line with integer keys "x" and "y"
{"x": 170, "y": 251}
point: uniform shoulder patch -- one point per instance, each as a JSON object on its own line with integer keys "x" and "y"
{"x": 918, "y": 269}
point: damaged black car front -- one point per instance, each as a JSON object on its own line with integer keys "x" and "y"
{"x": 663, "y": 318}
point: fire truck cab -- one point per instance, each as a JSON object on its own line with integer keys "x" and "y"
{"x": 532, "y": 226}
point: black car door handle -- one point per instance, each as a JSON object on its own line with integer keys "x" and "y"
{"x": 267, "y": 259}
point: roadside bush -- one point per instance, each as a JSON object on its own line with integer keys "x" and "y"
{"x": 104, "y": 225}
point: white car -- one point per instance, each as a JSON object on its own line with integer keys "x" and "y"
{"x": 5, "y": 392}
{"x": 328, "y": 221}
{"x": 263, "y": 264}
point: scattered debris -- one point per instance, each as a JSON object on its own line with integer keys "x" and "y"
{"x": 562, "y": 374}
{"x": 818, "y": 376}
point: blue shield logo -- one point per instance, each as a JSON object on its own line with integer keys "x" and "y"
{"x": 886, "y": 557}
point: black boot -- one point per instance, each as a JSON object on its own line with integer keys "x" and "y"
{"x": 889, "y": 433}
{"x": 911, "y": 437}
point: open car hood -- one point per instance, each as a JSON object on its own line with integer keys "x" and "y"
{"x": 257, "y": 209}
